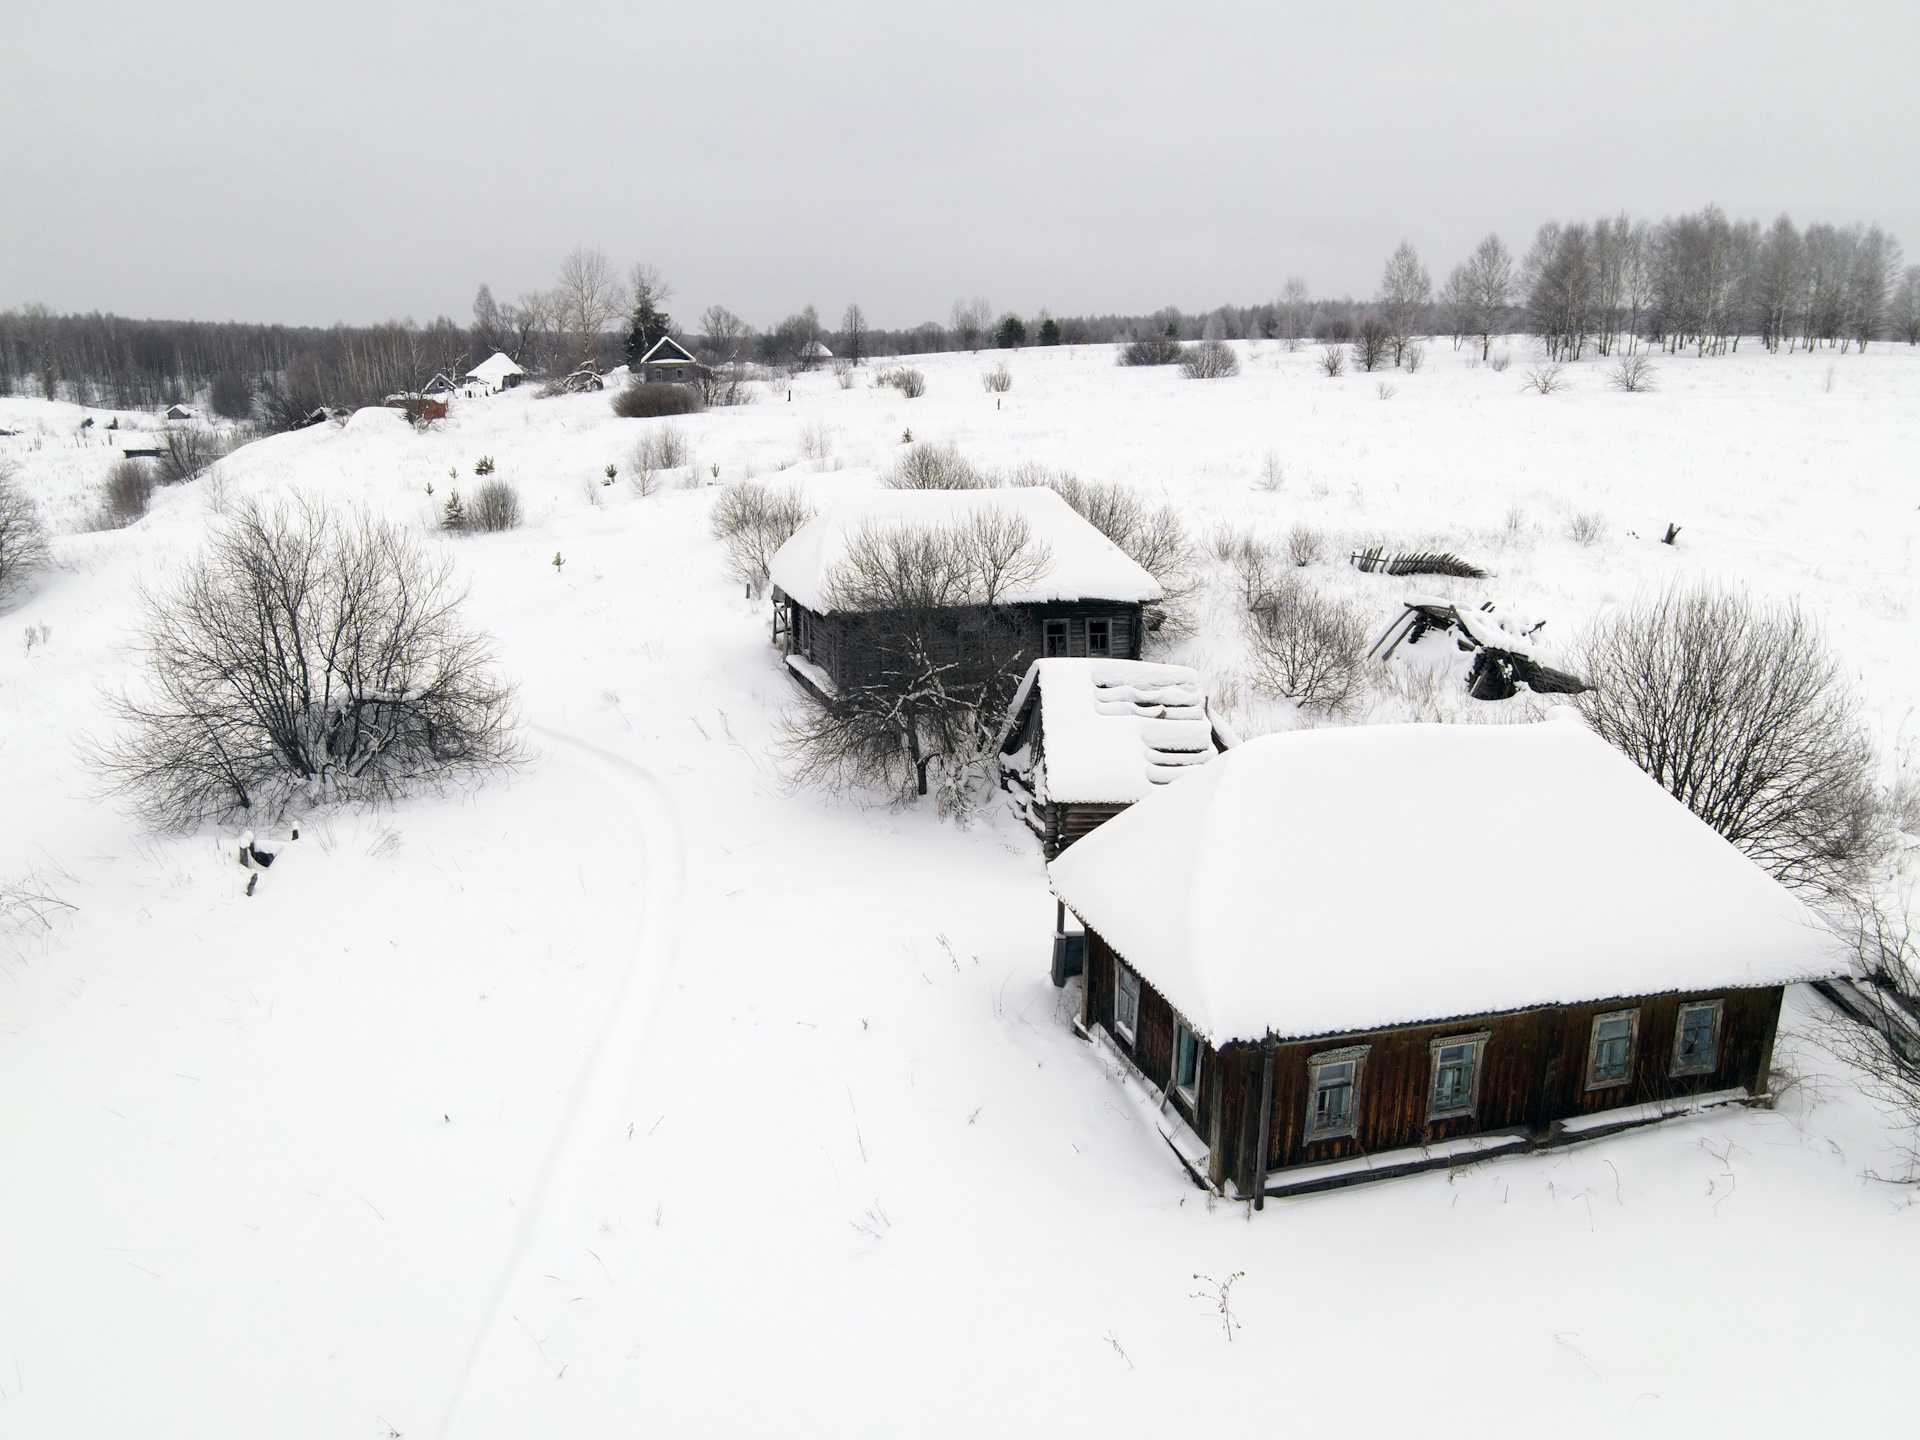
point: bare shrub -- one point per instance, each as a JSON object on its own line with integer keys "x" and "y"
{"x": 1586, "y": 527}
{"x": 1210, "y": 360}
{"x": 1256, "y": 568}
{"x": 816, "y": 440}
{"x": 1152, "y": 350}
{"x": 1499, "y": 363}
{"x": 305, "y": 656}
{"x": 495, "y": 506}
{"x": 1305, "y": 545}
{"x": 187, "y": 451}
{"x": 1155, "y": 538}
{"x": 655, "y": 451}
{"x": 1386, "y": 391}
{"x": 1634, "y": 373}
{"x": 904, "y": 378}
{"x": 942, "y": 663}
{"x": 1306, "y": 646}
{"x": 23, "y": 536}
{"x": 997, "y": 381}
{"x": 1740, "y": 712}
{"x": 843, "y": 375}
{"x": 125, "y": 496}
{"x": 641, "y": 400}
{"x": 1880, "y": 1036}
{"x": 1547, "y": 379}
{"x": 927, "y": 466}
{"x": 753, "y": 520}
{"x": 1273, "y": 472}
{"x": 1332, "y": 361}
{"x": 1372, "y": 342}
{"x": 1414, "y": 357}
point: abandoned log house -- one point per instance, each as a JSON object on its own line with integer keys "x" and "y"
{"x": 499, "y": 371}
{"x": 1085, "y": 600}
{"x": 1342, "y": 955}
{"x": 667, "y": 360}
{"x": 1084, "y": 739}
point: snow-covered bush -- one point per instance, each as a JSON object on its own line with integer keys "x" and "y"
{"x": 187, "y": 451}
{"x": 753, "y": 520}
{"x": 998, "y": 380}
{"x": 1372, "y": 342}
{"x": 1332, "y": 361}
{"x": 639, "y": 400}
{"x": 1152, "y": 350}
{"x": 1586, "y": 527}
{"x": 23, "y": 536}
{"x": 1306, "y": 646}
{"x": 1154, "y": 538}
{"x": 1547, "y": 379}
{"x": 495, "y": 506}
{"x": 1209, "y": 360}
{"x": 124, "y": 495}
{"x": 904, "y": 378}
{"x": 306, "y": 655}
{"x": 1743, "y": 715}
{"x": 1305, "y": 545}
{"x": 928, "y": 466}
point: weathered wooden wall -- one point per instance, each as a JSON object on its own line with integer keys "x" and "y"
{"x": 833, "y": 641}
{"x": 1533, "y": 1071}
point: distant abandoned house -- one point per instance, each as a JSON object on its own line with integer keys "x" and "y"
{"x": 667, "y": 360}
{"x": 180, "y": 412}
{"x": 1084, "y": 600}
{"x": 497, "y": 372}
{"x": 1084, "y": 739}
{"x": 1347, "y": 954}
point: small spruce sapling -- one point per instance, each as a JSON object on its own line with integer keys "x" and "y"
{"x": 454, "y": 516}
{"x": 611, "y": 471}
{"x": 557, "y": 561}
{"x": 483, "y": 466}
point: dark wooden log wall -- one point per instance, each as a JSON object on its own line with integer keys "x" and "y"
{"x": 833, "y": 641}
{"x": 1533, "y": 1072}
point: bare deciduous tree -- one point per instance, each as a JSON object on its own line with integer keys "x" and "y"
{"x": 588, "y": 300}
{"x": 305, "y": 656}
{"x": 971, "y": 321}
{"x": 1740, "y": 712}
{"x": 1880, "y": 1036}
{"x": 1405, "y": 289}
{"x": 1294, "y": 312}
{"x": 23, "y": 536}
{"x": 753, "y": 520}
{"x": 853, "y": 334}
{"x": 1489, "y": 289}
{"x": 1373, "y": 338}
{"x": 726, "y": 333}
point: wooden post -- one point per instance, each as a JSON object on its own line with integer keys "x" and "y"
{"x": 1266, "y": 1124}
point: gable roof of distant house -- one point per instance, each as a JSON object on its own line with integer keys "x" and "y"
{"x": 1343, "y": 880}
{"x": 1083, "y": 564}
{"x": 668, "y": 351}
{"x": 495, "y": 368}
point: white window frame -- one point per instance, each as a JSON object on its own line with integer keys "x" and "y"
{"x": 1127, "y": 1030}
{"x": 1357, "y": 1055}
{"x": 1719, "y": 1009}
{"x": 1478, "y": 1040}
{"x": 1633, "y": 1048}
{"x": 1189, "y": 1093}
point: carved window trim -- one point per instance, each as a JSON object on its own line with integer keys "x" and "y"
{"x": 1478, "y": 1042}
{"x": 1354, "y": 1055}
{"x": 1719, "y": 1012}
{"x": 1126, "y": 1003}
{"x": 1596, "y": 1081}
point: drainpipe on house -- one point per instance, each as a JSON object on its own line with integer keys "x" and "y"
{"x": 1266, "y": 1123}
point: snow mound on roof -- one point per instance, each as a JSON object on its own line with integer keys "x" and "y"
{"x": 1115, "y": 730}
{"x": 495, "y": 368}
{"x": 1085, "y": 564}
{"x": 1340, "y": 880}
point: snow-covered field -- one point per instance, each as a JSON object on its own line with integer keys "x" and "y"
{"x": 639, "y": 1094}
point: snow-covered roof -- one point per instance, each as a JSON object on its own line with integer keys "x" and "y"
{"x": 495, "y": 368}
{"x": 667, "y": 351}
{"x": 1084, "y": 564}
{"x": 1115, "y": 730}
{"x": 815, "y": 350}
{"x": 1340, "y": 880}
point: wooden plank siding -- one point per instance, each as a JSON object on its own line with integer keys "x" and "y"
{"x": 833, "y": 641}
{"x": 1533, "y": 1072}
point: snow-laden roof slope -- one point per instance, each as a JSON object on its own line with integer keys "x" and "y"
{"x": 1340, "y": 880}
{"x": 1115, "y": 730}
{"x": 494, "y": 369}
{"x": 1085, "y": 565}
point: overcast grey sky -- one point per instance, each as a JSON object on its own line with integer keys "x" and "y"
{"x": 360, "y": 162}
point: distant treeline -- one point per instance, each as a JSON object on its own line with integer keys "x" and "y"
{"x": 1700, "y": 281}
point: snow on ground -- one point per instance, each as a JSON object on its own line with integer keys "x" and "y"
{"x": 639, "y": 1093}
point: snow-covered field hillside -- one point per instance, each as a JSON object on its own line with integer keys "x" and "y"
{"x": 638, "y": 1093}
